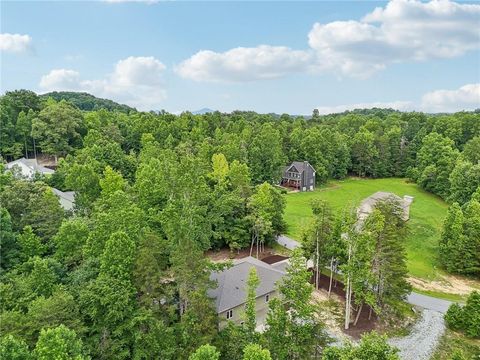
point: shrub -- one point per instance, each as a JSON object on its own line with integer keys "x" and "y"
{"x": 471, "y": 313}
{"x": 454, "y": 317}
{"x": 466, "y": 318}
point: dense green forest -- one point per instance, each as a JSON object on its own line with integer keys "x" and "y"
{"x": 154, "y": 191}
{"x": 87, "y": 102}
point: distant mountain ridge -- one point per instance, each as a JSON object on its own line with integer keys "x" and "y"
{"x": 88, "y": 102}
{"x": 203, "y": 111}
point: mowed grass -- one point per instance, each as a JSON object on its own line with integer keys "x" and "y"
{"x": 427, "y": 213}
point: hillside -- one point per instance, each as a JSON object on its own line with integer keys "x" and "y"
{"x": 87, "y": 102}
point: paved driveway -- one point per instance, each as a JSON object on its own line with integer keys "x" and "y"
{"x": 287, "y": 242}
{"x": 428, "y": 302}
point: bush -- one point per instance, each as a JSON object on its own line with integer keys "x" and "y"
{"x": 467, "y": 318}
{"x": 454, "y": 317}
{"x": 472, "y": 315}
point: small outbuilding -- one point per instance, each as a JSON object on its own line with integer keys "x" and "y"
{"x": 299, "y": 175}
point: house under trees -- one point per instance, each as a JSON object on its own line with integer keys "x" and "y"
{"x": 231, "y": 292}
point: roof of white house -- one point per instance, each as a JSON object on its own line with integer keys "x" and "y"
{"x": 231, "y": 289}
{"x": 31, "y": 164}
{"x": 368, "y": 204}
{"x": 66, "y": 198}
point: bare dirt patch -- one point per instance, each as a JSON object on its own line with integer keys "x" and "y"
{"x": 227, "y": 254}
{"x": 448, "y": 284}
{"x": 272, "y": 259}
{"x": 366, "y": 322}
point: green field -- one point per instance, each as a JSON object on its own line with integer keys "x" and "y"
{"x": 426, "y": 215}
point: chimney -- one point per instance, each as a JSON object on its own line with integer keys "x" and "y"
{"x": 408, "y": 199}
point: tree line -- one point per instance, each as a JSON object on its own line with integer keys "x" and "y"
{"x": 125, "y": 276}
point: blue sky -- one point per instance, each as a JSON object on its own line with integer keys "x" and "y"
{"x": 264, "y": 56}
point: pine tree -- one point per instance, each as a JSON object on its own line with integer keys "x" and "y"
{"x": 294, "y": 332}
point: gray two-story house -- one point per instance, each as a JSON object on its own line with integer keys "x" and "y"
{"x": 299, "y": 175}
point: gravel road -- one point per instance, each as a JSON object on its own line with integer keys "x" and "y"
{"x": 421, "y": 343}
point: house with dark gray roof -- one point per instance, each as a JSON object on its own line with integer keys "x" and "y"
{"x": 299, "y": 175}
{"x": 230, "y": 293}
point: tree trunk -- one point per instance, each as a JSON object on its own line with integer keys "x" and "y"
{"x": 348, "y": 293}
{"x": 26, "y": 149}
{"x": 317, "y": 275}
{"x": 253, "y": 241}
{"x": 358, "y": 314}
{"x": 331, "y": 277}
{"x": 347, "y": 304}
{"x": 370, "y": 313}
{"x": 34, "y": 149}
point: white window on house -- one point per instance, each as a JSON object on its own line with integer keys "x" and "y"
{"x": 229, "y": 314}
{"x": 267, "y": 298}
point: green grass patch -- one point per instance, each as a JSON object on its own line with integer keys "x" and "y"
{"x": 452, "y": 342}
{"x": 426, "y": 216}
{"x": 280, "y": 250}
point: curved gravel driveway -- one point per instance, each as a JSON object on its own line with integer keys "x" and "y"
{"x": 422, "y": 341}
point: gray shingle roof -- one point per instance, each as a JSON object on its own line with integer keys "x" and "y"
{"x": 32, "y": 164}
{"x": 232, "y": 283}
{"x": 66, "y": 198}
{"x": 299, "y": 165}
{"x": 368, "y": 204}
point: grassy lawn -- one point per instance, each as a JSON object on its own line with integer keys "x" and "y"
{"x": 426, "y": 215}
{"x": 452, "y": 342}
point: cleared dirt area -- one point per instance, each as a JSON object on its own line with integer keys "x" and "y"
{"x": 366, "y": 321}
{"x": 447, "y": 284}
{"x": 227, "y": 254}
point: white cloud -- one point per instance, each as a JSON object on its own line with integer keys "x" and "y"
{"x": 402, "y": 31}
{"x": 466, "y": 97}
{"x": 396, "y": 105}
{"x": 136, "y": 81}
{"x": 61, "y": 79}
{"x": 244, "y": 64}
{"x": 15, "y": 43}
{"x": 405, "y": 30}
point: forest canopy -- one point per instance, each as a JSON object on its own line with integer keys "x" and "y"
{"x": 124, "y": 275}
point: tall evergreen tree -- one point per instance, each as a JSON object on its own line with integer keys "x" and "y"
{"x": 294, "y": 331}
